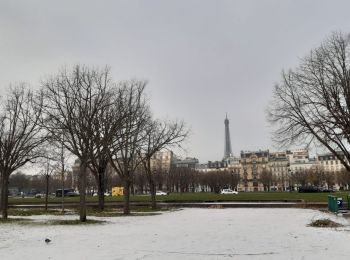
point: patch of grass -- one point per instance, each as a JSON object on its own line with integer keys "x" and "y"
{"x": 251, "y": 196}
{"x": 33, "y": 211}
{"x": 31, "y": 222}
{"x": 118, "y": 212}
{"x": 108, "y": 212}
{"x": 199, "y": 196}
{"x": 19, "y": 221}
{"x": 73, "y": 222}
{"x": 324, "y": 223}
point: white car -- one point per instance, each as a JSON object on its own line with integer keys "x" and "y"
{"x": 159, "y": 193}
{"x": 228, "y": 191}
{"x": 106, "y": 194}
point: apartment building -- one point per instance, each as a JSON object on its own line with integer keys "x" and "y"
{"x": 299, "y": 160}
{"x": 330, "y": 163}
{"x": 253, "y": 164}
{"x": 162, "y": 161}
{"x": 279, "y": 167}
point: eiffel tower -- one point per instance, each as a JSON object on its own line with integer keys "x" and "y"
{"x": 228, "y": 150}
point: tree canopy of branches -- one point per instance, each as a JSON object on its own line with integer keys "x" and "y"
{"x": 217, "y": 180}
{"x": 300, "y": 177}
{"x": 266, "y": 179}
{"x": 157, "y": 136}
{"x": 110, "y": 122}
{"x": 73, "y": 101}
{"x": 20, "y": 135}
{"x": 123, "y": 154}
{"x": 343, "y": 179}
{"x": 313, "y": 100}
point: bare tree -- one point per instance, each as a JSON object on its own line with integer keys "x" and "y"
{"x": 19, "y": 180}
{"x": 54, "y": 162}
{"x": 315, "y": 176}
{"x": 123, "y": 155}
{"x": 109, "y": 124}
{"x": 73, "y": 100}
{"x": 266, "y": 179}
{"x": 217, "y": 180}
{"x": 20, "y": 135}
{"x": 313, "y": 100}
{"x": 36, "y": 184}
{"x": 181, "y": 178}
{"x": 235, "y": 179}
{"x": 63, "y": 156}
{"x": 329, "y": 178}
{"x": 343, "y": 179}
{"x": 140, "y": 180}
{"x": 300, "y": 177}
{"x": 157, "y": 136}
{"x": 46, "y": 173}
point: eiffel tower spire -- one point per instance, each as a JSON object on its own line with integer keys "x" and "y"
{"x": 228, "y": 150}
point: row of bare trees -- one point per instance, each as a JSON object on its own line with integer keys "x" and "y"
{"x": 33, "y": 184}
{"x": 179, "y": 180}
{"x": 82, "y": 110}
{"x": 319, "y": 178}
{"x": 184, "y": 179}
{"x": 315, "y": 177}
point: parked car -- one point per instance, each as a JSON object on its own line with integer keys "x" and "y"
{"x": 106, "y": 194}
{"x": 326, "y": 190}
{"x": 65, "y": 192}
{"x": 161, "y": 193}
{"x": 72, "y": 194}
{"x": 228, "y": 191}
{"x": 308, "y": 189}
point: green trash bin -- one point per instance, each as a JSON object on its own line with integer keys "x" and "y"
{"x": 332, "y": 203}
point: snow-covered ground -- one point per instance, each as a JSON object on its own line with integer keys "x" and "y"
{"x": 239, "y": 233}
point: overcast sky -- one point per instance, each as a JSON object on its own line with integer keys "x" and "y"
{"x": 201, "y": 58}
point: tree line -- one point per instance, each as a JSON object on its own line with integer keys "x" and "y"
{"x": 84, "y": 111}
{"x": 174, "y": 180}
{"x": 179, "y": 180}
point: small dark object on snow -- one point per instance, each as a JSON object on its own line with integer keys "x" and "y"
{"x": 47, "y": 240}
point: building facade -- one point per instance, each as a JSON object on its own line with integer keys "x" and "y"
{"x": 279, "y": 167}
{"x": 188, "y": 162}
{"x": 253, "y": 165}
{"x": 161, "y": 161}
{"x": 330, "y": 163}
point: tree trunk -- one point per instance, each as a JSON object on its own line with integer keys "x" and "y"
{"x": 62, "y": 198}
{"x": 4, "y": 195}
{"x": 47, "y": 177}
{"x": 152, "y": 187}
{"x": 127, "y": 184}
{"x": 101, "y": 190}
{"x": 1, "y": 195}
{"x": 82, "y": 191}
